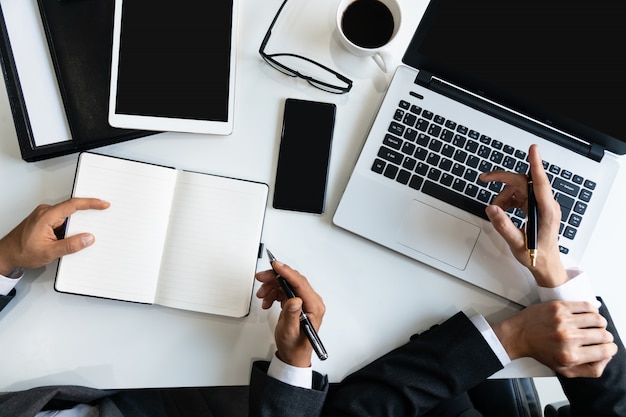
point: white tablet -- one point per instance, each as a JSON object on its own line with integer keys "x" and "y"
{"x": 173, "y": 65}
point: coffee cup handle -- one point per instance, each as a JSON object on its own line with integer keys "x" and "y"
{"x": 383, "y": 60}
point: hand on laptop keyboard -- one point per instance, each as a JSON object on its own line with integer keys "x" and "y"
{"x": 549, "y": 271}
{"x": 441, "y": 158}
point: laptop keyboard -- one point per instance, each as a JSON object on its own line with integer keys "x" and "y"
{"x": 443, "y": 159}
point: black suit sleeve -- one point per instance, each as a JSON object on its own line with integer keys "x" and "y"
{"x": 604, "y": 396}
{"x": 4, "y": 299}
{"x": 272, "y": 398}
{"x": 435, "y": 366}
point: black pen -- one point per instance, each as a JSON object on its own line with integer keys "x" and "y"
{"x": 305, "y": 323}
{"x": 531, "y": 224}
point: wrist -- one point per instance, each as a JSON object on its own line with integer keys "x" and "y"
{"x": 6, "y": 266}
{"x": 508, "y": 333}
{"x": 298, "y": 360}
{"x": 5, "y": 270}
{"x": 550, "y": 280}
{"x": 550, "y": 275}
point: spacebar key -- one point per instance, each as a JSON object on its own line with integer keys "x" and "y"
{"x": 456, "y": 199}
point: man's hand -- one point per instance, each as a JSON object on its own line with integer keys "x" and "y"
{"x": 33, "y": 242}
{"x": 568, "y": 337}
{"x": 293, "y": 346}
{"x": 549, "y": 271}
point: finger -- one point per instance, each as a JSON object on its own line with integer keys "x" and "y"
{"x": 596, "y": 369}
{"x": 586, "y": 370}
{"x": 587, "y": 321}
{"x": 298, "y": 282}
{"x": 271, "y": 292}
{"x": 72, "y": 244}
{"x": 541, "y": 183}
{"x": 599, "y": 336}
{"x": 313, "y": 303}
{"x": 57, "y": 214}
{"x": 264, "y": 290}
{"x": 536, "y": 166}
{"x": 266, "y": 276}
{"x": 268, "y": 293}
{"x": 578, "y": 307}
{"x": 269, "y": 288}
{"x": 595, "y": 353}
{"x": 512, "y": 179}
{"x": 509, "y": 197}
{"x": 514, "y": 194}
{"x": 273, "y": 295}
{"x": 505, "y": 227}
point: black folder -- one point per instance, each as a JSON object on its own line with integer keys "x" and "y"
{"x": 79, "y": 35}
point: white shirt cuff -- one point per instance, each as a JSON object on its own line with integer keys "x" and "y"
{"x": 7, "y": 283}
{"x": 578, "y": 288}
{"x": 292, "y": 375}
{"x": 490, "y": 337}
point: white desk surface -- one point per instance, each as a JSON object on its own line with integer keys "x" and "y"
{"x": 375, "y": 298}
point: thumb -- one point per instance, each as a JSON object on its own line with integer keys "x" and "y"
{"x": 291, "y": 313}
{"x": 288, "y": 327}
{"x": 504, "y": 226}
{"x": 74, "y": 244}
{"x": 292, "y": 308}
{"x": 292, "y": 346}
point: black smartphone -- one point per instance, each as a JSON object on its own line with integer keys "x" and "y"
{"x": 304, "y": 156}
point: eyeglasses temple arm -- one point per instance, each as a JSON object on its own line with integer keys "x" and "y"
{"x": 269, "y": 30}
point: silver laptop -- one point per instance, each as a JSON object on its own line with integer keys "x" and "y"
{"x": 482, "y": 80}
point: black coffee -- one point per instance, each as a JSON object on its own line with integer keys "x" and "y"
{"x": 367, "y": 23}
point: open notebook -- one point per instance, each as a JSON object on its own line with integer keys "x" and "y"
{"x": 176, "y": 238}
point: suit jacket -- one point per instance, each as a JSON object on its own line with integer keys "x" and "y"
{"x": 432, "y": 369}
{"x": 166, "y": 402}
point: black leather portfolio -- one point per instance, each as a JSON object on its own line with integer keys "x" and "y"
{"x": 79, "y": 36}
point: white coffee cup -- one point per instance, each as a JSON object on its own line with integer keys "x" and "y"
{"x": 365, "y": 30}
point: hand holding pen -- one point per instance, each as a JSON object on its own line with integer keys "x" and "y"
{"x": 531, "y": 223}
{"x": 547, "y": 268}
{"x": 295, "y": 332}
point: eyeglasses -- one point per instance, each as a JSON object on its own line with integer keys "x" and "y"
{"x": 293, "y": 65}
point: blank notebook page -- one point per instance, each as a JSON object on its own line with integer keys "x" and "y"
{"x": 213, "y": 242}
{"x": 131, "y": 232}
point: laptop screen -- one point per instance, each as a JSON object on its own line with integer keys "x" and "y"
{"x": 561, "y": 62}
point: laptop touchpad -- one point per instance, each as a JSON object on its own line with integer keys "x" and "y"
{"x": 438, "y": 234}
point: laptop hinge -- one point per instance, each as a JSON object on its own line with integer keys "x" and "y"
{"x": 596, "y": 152}
{"x": 593, "y": 151}
{"x": 423, "y": 78}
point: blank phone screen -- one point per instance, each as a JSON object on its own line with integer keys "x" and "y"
{"x": 304, "y": 156}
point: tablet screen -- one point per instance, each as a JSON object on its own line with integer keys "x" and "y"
{"x": 174, "y": 60}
